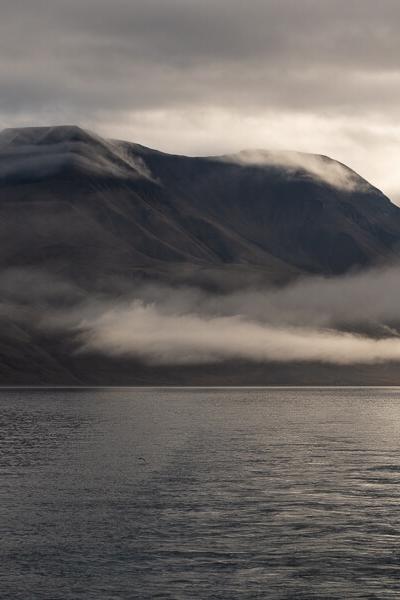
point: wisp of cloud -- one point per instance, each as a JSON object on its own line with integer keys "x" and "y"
{"x": 344, "y": 320}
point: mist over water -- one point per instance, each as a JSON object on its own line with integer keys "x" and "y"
{"x": 344, "y": 320}
{"x": 196, "y": 493}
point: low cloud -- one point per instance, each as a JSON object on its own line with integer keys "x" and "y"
{"x": 344, "y": 320}
{"x": 42, "y": 151}
{"x": 315, "y": 166}
{"x": 144, "y": 332}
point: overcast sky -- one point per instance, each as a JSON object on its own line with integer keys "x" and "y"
{"x": 212, "y": 76}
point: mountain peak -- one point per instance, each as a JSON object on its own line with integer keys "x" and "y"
{"x": 33, "y": 153}
{"x": 45, "y": 135}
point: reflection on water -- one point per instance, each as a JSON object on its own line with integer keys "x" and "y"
{"x": 200, "y": 494}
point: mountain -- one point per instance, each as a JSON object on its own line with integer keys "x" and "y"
{"x": 77, "y": 204}
{"x": 93, "y": 212}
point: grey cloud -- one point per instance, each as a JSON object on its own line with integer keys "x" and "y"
{"x": 144, "y": 332}
{"x": 354, "y": 300}
{"x": 187, "y": 52}
{"x": 344, "y": 320}
{"x": 166, "y": 72}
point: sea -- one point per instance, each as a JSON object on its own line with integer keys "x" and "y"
{"x": 195, "y": 493}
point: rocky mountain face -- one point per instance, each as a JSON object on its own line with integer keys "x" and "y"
{"x": 93, "y": 212}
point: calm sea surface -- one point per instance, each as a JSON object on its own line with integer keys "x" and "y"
{"x": 200, "y": 494}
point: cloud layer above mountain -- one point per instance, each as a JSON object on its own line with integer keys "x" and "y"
{"x": 206, "y": 77}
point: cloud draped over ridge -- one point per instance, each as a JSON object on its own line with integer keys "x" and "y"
{"x": 319, "y": 167}
{"x": 206, "y": 77}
